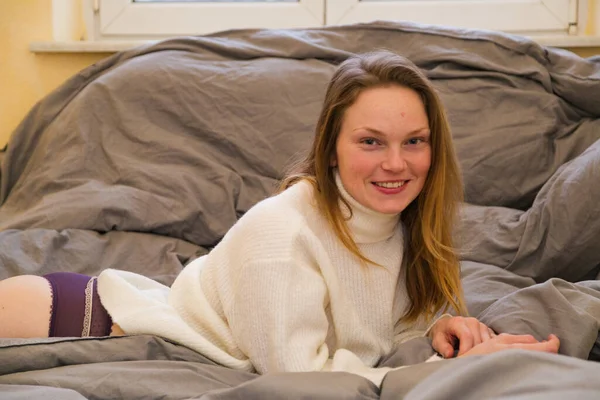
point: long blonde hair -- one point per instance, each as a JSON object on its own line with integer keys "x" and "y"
{"x": 432, "y": 267}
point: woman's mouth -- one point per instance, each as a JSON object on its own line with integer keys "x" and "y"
{"x": 390, "y": 184}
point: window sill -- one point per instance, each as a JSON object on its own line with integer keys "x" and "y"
{"x": 114, "y": 46}
{"x": 567, "y": 41}
{"x": 104, "y": 46}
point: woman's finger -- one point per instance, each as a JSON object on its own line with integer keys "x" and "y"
{"x": 443, "y": 346}
{"x": 485, "y": 332}
{"x": 466, "y": 337}
{"x": 517, "y": 339}
{"x": 548, "y": 347}
{"x": 554, "y": 341}
{"x": 475, "y": 328}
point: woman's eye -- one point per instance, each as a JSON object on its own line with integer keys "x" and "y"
{"x": 369, "y": 141}
{"x": 415, "y": 141}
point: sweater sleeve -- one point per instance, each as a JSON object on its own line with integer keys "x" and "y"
{"x": 278, "y": 318}
{"x": 278, "y": 313}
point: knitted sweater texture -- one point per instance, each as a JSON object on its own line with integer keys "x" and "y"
{"x": 280, "y": 292}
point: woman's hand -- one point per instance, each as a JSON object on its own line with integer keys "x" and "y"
{"x": 505, "y": 341}
{"x": 469, "y": 332}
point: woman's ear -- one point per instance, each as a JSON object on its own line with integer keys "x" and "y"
{"x": 333, "y": 162}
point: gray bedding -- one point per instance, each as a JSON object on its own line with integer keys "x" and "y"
{"x": 144, "y": 160}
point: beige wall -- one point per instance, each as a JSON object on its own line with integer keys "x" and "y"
{"x": 26, "y": 77}
{"x": 586, "y": 51}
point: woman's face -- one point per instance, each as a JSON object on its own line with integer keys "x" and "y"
{"x": 383, "y": 151}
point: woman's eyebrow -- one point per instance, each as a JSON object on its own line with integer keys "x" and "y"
{"x": 424, "y": 130}
{"x": 371, "y": 130}
{"x": 420, "y": 131}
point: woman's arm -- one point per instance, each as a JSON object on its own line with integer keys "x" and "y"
{"x": 278, "y": 314}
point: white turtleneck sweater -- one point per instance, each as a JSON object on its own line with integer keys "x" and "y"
{"x": 280, "y": 292}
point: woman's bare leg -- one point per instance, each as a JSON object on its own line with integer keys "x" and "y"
{"x": 116, "y": 330}
{"x": 25, "y": 306}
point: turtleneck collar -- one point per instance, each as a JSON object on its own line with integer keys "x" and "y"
{"x": 366, "y": 225}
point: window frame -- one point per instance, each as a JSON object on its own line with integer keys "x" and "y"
{"x": 113, "y": 20}
{"x": 515, "y": 16}
{"x": 126, "y": 19}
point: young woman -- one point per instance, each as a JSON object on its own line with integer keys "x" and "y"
{"x": 351, "y": 257}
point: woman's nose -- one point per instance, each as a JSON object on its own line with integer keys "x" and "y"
{"x": 394, "y": 161}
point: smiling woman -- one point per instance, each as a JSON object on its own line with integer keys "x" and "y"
{"x": 391, "y": 97}
{"x": 353, "y": 256}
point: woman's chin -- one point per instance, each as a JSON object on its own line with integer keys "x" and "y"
{"x": 388, "y": 209}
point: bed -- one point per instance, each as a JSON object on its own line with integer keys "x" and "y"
{"x": 143, "y": 160}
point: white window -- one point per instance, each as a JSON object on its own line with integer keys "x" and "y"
{"x": 117, "y": 19}
{"x": 147, "y": 19}
{"x": 502, "y": 15}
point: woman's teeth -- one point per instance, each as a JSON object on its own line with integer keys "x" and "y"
{"x": 390, "y": 185}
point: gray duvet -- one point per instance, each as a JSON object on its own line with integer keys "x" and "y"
{"x": 144, "y": 160}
